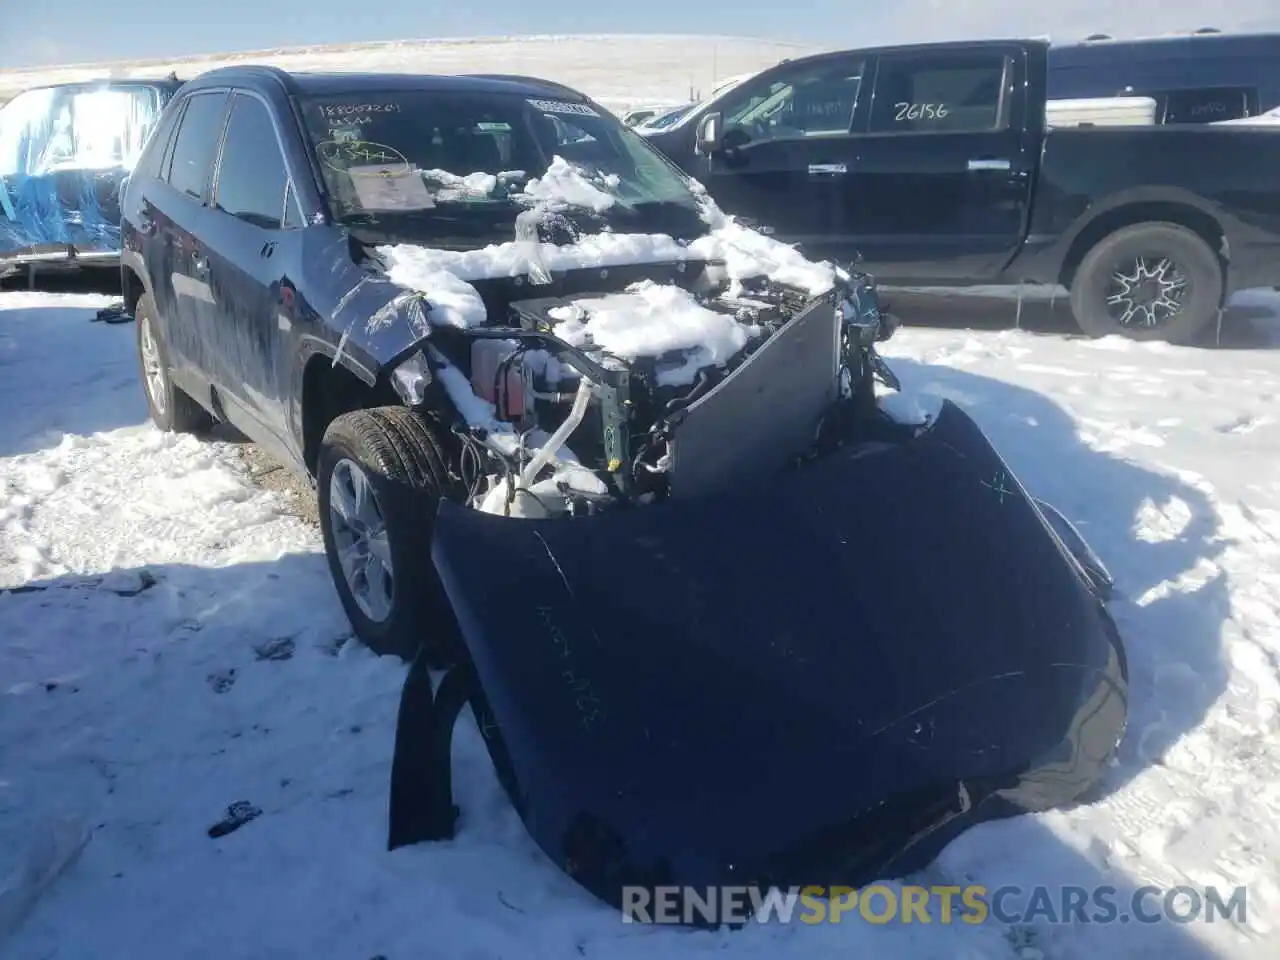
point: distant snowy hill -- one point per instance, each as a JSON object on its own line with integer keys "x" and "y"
{"x": 616, "y": 70}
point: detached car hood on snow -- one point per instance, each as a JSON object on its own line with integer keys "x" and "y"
{"x": 681, "y": 702}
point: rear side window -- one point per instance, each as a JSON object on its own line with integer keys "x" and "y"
{"x": 938, "y": 93}
{"x": 153, "y": 153}
{"x": 192, "y": 158}
{"x": 251, "y": 174}
{"x": 1206, "y": 106}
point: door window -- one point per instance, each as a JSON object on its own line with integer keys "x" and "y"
{"x": 291, "y": 218}
{"x": 252, "y": 177}
{"x": 938, "y": 93}
{"x": 192, "y": 157}
{"x": 157, "y": 146}
{"x": 806, "y": 101}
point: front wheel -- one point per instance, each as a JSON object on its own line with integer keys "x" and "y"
{"x": 380, "y": 477}
{"x": 1149, "y": 281}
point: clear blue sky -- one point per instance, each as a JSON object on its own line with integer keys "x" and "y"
{"x": 47, "y": 32}
{"x": 63, "y": 31}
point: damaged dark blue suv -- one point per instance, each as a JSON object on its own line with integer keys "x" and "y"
{"x": 632, "y": 472}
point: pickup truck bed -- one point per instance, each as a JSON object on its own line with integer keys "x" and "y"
{"x": 1223, "y": 183}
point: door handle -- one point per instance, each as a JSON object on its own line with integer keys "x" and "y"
{"x": 828, "y": 169}
{"x": 990, "y": 163}
{"x": 200, "y": 265}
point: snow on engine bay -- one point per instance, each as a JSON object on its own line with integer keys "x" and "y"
{"x": 443, "y": 275}
{"x": 648, "y": 319}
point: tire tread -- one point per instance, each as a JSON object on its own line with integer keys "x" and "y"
{"x": 1202, "y": 263}
{"x": 401, "y": 446}
{"x": 184, "y": 414}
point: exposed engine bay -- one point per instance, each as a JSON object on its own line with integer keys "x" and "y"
{"x": 553, "y": 424}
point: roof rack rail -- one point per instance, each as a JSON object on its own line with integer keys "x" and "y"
{"x": 532, "y": 81}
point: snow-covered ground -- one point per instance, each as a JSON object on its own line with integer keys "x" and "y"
{"x": 175, "y": 646}
{"x": 617, "y": 71}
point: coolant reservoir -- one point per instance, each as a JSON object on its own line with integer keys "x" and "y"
{"x": 486, "y": 356}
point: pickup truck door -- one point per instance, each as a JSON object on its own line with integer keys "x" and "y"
{"x": 940, "y": 186}
{"x": 787, "y": 148}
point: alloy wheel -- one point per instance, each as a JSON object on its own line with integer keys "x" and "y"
{"x": 360, "y": 540}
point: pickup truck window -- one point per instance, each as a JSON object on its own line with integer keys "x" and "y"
{"x": 938, "y": 93}
{"x": 807, "y": 101}
{"x": 251, "y": 175}
{"x": 192, "y": 157}
{"x": 1206, "y": 106}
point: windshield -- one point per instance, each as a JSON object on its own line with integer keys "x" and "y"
{"x": 56, "y": 128}
{"x": 667, "y": 119}
{"x": 463, "y": 167}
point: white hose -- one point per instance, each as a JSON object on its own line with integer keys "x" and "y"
{"x": 553, "y": 445}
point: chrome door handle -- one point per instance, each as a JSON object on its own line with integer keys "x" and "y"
{"x": 827, "y": 169}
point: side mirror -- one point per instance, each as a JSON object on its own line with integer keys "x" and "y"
{"x": 710, "y": 134}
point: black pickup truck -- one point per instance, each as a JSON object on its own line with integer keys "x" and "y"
{"x": 934, "y": 163}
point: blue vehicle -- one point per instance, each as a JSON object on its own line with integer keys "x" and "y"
{"x": 65, "y": 151}
{"x": 678, "y": 582}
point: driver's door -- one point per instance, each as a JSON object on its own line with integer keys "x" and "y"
{"x": 786, "y": 149}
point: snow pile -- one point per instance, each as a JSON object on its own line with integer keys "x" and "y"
{"x": 909, "y": 408}
{"x": 650, "y": 320}
{"x": 418, "y": 268}
{"x": 748, "y": 253}
{"x": 444, "y": 276}
{"x": 1269, "y": 119}
{"x": 565, "y": 185}
{"x": 451, "y": 187}
{"x": 452, "y": 301}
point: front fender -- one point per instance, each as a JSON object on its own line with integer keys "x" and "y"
{"x": 355, "y": 313}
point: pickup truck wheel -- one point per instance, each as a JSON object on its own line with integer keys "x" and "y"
{"x": 171, "y": 410}
{"x": 380, "y": 476}
{"x": 1150, "y": 281}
